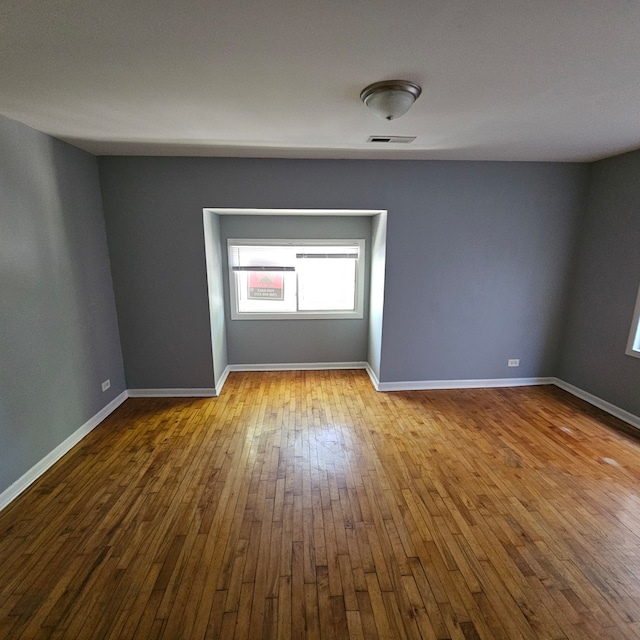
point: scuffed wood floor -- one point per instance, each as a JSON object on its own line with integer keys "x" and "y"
{"x": 306, "y": 505}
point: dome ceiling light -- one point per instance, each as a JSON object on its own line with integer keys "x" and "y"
{"x": 390, "y": 99}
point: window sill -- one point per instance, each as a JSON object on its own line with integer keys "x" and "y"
{"x": 300, "y": 315}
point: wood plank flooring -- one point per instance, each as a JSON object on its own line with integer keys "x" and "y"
{"x": 306, "y": 505}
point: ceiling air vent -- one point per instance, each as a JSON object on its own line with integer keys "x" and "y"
{"x": 392, "y": 139}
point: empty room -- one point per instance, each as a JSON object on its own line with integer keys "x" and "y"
{"x": 319, "y": 320}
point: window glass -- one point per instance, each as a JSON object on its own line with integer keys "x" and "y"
{"x": 633, "y": 344}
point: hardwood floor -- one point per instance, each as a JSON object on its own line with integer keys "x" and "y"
{"x": 306, "y": 505}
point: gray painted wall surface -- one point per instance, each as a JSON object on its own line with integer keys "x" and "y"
{"x": 477, "y": 265}
{"x": 58, "y": 331}
{"x": 605, "y": 287}
{"x": 291, "y": 341}
{"x": 153, "y": 214}
{"x": 478, "y": 262}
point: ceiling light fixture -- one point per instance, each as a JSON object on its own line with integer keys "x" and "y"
{"x": 390, "y": 99}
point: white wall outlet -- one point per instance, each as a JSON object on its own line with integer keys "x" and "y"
{"x": 106, "y": 384}
{"x": 513, "y": 362}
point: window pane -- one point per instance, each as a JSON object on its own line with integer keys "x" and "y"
{"x": 326, "y": 284}
{"x": 262, "y": 256}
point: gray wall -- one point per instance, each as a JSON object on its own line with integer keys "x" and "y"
{"x": 153, "y": 214}
{"x": 605, "y": 287}
{"x": 58, "y": 332}
{"x": 477, "y": 264}
{"x": 291, "y": 341}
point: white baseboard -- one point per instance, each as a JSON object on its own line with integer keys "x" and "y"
{"x": 297, "y": 366}
{"x": 223, "y": 379}
{"x": 172, "y": 393}
{"x": 14, "y": 490}
{"x": 616, "y": 412}
{"x": 413, "y": 385}
{"x": 483, "y": 383}
{"x": 374, "y": 378}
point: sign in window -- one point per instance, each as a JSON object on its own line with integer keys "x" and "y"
{"x": 265, "y": 285}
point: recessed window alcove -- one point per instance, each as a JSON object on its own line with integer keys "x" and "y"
{"x": 233, "y": 345}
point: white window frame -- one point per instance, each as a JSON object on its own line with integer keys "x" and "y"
{"x": 357, "y": 314}
{"x": 633, "y": 344}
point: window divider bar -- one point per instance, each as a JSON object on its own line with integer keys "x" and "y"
{"x": 258, "y": 268}
{"x": 352, "y": 256}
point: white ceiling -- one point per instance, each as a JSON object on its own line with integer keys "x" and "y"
{"x": 502, "y": 79}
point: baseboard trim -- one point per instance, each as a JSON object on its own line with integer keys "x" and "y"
{"x": 374, "y": 378}
{"x": 483, "y": 383}
{"x": 223, "y": 379}
{"x": 173, "y": 393}
{"x": 297, "y": 366}
{"x": 609, "y": 408}
{"x": 14, "y": 490}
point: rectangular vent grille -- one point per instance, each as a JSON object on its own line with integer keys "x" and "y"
{"x": 391, "y": 139}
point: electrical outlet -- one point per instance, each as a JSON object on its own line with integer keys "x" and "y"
{"x": 513, "y": 362}
{"x": 106, "y": 384}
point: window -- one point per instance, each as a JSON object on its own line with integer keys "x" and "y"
{"x": 276, "y": 279}
{"x": 633, "y": 345}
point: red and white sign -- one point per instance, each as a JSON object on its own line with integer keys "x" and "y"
{"x": 266, "y": 285}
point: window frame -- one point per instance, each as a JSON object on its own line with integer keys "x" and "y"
{"x": 633, "y": 343}
{"x": 360, "y": 271}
